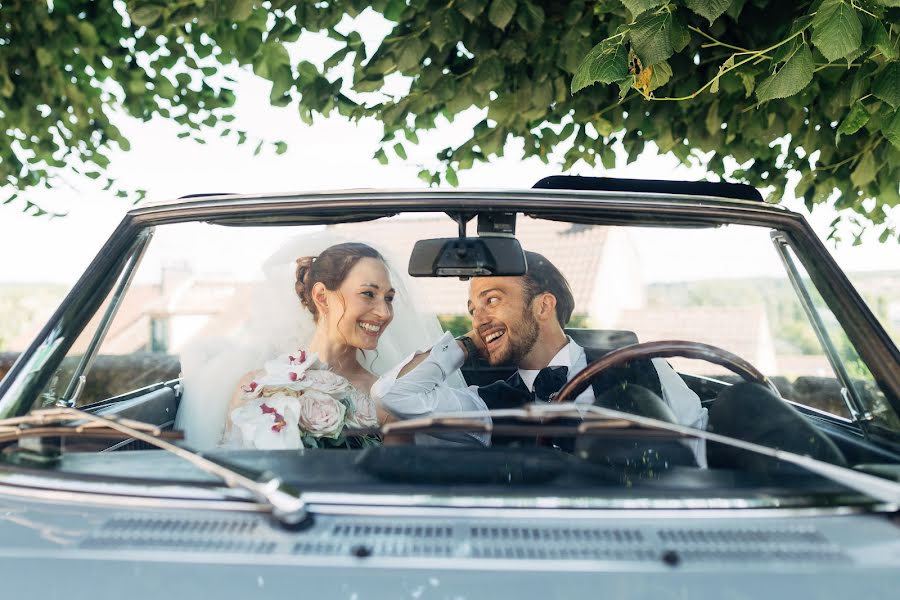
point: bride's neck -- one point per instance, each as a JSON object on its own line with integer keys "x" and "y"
{"x": 339, "y": 356}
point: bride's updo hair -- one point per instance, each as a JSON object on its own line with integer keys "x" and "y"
{"x": 331, "y": 268}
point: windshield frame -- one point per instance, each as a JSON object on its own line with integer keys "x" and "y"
{"x": 31, "y": 371}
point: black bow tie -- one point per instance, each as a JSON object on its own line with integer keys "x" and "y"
{"x": 513, "y": 393}
{"x": 547, "y": 383}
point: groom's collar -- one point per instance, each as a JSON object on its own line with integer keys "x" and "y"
{"x": 567, "y": 357}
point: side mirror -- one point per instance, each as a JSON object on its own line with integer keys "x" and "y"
{"x": 467, "y": 257}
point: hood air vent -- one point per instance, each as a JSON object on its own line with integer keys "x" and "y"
{"x": 481, "y": 539}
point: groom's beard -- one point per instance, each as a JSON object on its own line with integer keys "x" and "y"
{"x": 521, "y": 336}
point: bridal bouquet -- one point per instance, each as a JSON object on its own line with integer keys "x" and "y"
{"x": 299, "y": 403}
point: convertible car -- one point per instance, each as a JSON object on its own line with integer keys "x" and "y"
{"x": 117, "y": 477}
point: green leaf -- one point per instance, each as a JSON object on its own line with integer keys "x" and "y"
{"x": 291, "y": 34}
{"x": 451, "y": 177}
{"x": 607, "y": 62}
{"x": 381, "y": 157}
{"x": 804, "y": 184}
{"x": 679, "y": 34}
{"x": 837, "y": 30}
{"x": 749, "y": 83}
{"x": 488, "y": 75}
{"x": 785, "y": 51}
{"x": 471, "y": 10}
{"x": 400, "y": 150}
{"x": 503, "y": 109}
{"x": 887, "y": 85}
{"x": 336, "y": 58}
{"x": 501, "y": 12}
{"x": 88, "y": 34}
{"x": 306, "y": 73}
{"x": 146, "y": 15}
{"x": 881, "y": 40}
{"x": 608, "y": 157}
{"x": 411, "y": 51}
{"x": 795, "y": 75}
{"x": 711, "y": 9}
{"x": 394, "y": 10}
{"x": 891, "y": 131}
{"x": 44, "y": 57}
{"x": 369, "y": 85}
{"x": 801, "y": 24}
{"x": 446, "y": 26}
{"x": 281, "y": 147}
{"x": 637, "y": 7}
{"x": 713, "y": 122}
{"x": 530, "y": 17}
{"x": 240, "y": 9}
{"x": 660, "y": 75}
{"x": 274, "y": 58}
{"x": 855, "y": 119}
{"x": 865, "y": 171}
{"x": 650, "y": 38}
{"x": 603, "y": 127}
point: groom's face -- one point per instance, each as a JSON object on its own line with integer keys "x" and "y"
{"x": 503, "y": 318}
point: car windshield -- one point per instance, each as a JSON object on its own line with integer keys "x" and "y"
{"x": 262, "y": 347}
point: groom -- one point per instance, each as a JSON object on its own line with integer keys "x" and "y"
{"x": 519, "y": 321}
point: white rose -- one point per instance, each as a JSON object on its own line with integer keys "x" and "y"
{"x": 366, "y": 414}
{"x": 326, "y": 382}
{"x": 321, "y": 415}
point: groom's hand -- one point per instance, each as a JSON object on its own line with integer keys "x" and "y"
{"x": 479, "y": 345}
{"x": 420, "y": 357}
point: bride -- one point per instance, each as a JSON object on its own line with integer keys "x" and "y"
{"x": 308, "y": 352}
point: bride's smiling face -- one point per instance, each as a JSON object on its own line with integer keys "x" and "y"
{"x": 361, "y": 308}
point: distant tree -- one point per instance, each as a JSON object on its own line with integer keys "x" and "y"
{"x": 809, "y": 88}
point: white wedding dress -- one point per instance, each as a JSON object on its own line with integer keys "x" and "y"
{"x": 277, "y": 324}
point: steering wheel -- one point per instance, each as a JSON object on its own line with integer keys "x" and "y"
{"x": 663, "y": 349}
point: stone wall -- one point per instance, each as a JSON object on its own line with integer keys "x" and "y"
{"x": 110, "y": 375}
{"x": 114, "y": 375}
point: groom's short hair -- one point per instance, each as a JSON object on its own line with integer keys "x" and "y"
{"x": 543, "y": 276}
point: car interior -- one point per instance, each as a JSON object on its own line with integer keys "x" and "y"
{"x": 736, "y": 407}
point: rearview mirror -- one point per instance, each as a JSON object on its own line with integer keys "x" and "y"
{"x": 467, "y": 257}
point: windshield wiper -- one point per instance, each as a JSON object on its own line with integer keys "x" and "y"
{"x": 288, "y": 508}
{"x": 596, "y": 419}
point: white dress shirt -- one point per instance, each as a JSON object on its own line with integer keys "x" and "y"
{"x": 422, "y": 392}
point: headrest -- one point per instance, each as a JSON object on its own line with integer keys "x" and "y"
{"x": 602, "y": 340}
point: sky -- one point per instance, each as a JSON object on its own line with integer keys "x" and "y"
{"x": 331, "y": 154}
